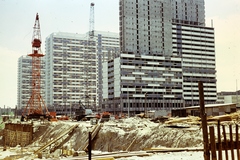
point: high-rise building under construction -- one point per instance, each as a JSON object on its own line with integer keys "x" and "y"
{"x": 165, "y": 50}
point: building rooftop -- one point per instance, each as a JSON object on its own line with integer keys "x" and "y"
{"x": 207, "y": 106}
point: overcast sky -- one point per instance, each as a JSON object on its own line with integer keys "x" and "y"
{"x": 17, "y": 20}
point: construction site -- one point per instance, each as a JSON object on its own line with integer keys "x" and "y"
{"x": 113, "y": 139}
{"x": 122, "y": 137}
{"x": 40, "y": 133}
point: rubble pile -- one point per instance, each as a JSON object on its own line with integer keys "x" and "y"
{"x": 135, "y": 134}
{"x": 132, "y": 134}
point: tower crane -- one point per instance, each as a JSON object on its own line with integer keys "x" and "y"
{"x": 89, "y": 59}
{"x": 36, "y": 107}
{"x": 91, "y": 21}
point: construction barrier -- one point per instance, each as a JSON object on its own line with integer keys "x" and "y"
{"x": 227, "y": 145}
{"x": 18, "y": 134}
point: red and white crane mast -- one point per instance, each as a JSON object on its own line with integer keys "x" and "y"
{"x": 36, "y": 106}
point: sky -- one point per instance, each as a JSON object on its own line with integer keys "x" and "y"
{"x": 16, "y": 28}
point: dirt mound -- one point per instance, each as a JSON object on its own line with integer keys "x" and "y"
{"x": 132, "y": 134}
{"x": 136, "y": 134}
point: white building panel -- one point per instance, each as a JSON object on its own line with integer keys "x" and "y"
{"x": 64, "y": 47}
{"x": 127, "y": 67}
{"x": 128, "y": 55}
{"x": 153, "y": 84}
{"x": 156, "y": 63}
{"x": 128, "y": 78}
{"x": 177, "y": 90}
{"x": 177, "y": 80}
{"x": 128, "y": 89}
{"x": 138, "y": 73}
{"x": 168, "y": 74}
{"x": 147, "y": 90}
{"x": 138, "y": 95}
{"x": 168, "y": 96}
{"x": 176, "y": 69}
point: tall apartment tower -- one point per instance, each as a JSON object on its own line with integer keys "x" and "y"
{"x": 24, "y": 80}
{"x": 72, "y": 66}
{"x": 107, "y": 44}
{"x": 165, "y": 50}
{"x": 70, "y": 72}
{"x": 195, "y": 44}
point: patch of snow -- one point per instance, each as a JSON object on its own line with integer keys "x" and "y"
{"x": 169, "y": 156}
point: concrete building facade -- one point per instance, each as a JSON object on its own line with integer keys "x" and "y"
{"x": 229, "y": 97}
{"x": 195, "y": 45}
{"x": 73, "y": 68}
{"x": 165, "y": 50}
{"x": 70, "y": 71}
{"x": 107, "y": 44}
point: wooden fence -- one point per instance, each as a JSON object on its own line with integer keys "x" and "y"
{"x": 17, "y": 134}
{"x": 224, "y": 145}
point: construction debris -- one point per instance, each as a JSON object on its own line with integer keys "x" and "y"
{"x": 189, "y": 119}
{"x": 65, "y": 132}
{"x": 220, "y": 118}
{"x": 197, "y": 120}
{"x": 54, "y": 139}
